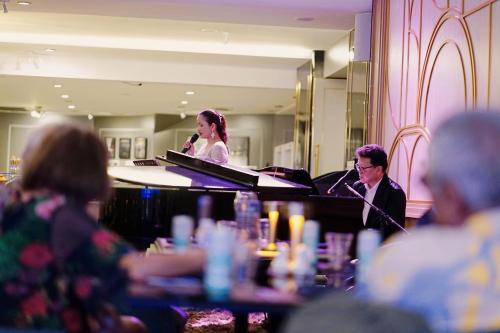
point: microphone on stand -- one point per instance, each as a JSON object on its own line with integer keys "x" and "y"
{"x": 378, "y": 210}
{"x": 334, "y": 186}
{"x": 193, "y": 139}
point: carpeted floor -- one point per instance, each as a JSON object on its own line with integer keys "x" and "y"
{"x": 221, "y": 321}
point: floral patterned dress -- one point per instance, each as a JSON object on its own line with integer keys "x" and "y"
{"x": 57, "y": 265}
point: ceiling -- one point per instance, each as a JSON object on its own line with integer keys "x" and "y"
{"x": 133, "y": 57}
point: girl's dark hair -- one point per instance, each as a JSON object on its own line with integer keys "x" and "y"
{"x": 68, "y": 160}
{"x": 214, "y": 117}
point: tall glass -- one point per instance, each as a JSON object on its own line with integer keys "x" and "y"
{"x": 338, "y": 245}
{"x": 296, "y": 220}
{"x": 273, "y": 215}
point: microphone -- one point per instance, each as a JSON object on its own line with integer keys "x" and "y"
{"x": 378, "y": 210}
{"x": 193, "y": 139}
{"x": 334, "y": 186}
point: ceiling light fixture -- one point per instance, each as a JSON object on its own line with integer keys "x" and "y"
{"x": 64, "y": 96}
{"x": 35, "y": 114}
{"x": 90, "y": 116}
{"x": 24, "y": 3}
{"x": 50, "y": 50}
{"x": 189, "y": 92}
{"x": 57, "y": 85}
{"x": 184, "y": 102}
{"x": 71, "y": 107}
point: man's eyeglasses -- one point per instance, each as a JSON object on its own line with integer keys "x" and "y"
{"x": 360, "y": 168}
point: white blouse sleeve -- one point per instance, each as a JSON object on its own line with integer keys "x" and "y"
{"x": 219, "y": 153}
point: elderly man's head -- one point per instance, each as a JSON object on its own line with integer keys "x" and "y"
{"x": 372, "y": 164}
{"x": 464, "y": 166}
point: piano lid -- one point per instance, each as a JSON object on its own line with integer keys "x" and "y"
{"x": 171, "y": 177}
{"x": 229, "y": 172}
{"x": 214, "y": 177}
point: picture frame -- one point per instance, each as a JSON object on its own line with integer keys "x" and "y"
{"x": 140, "y": 147}
{"x": 111, "y": 146}
{"x": 124, "y": 148}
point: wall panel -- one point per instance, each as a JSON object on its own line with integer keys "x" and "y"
{"x": 432, "y": 59}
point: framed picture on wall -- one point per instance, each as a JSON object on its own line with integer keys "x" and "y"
{"x": 111, "y": 145}
{"x": 125, "y": 144}
{"x": 239, "y": 148}
{"x": 140, "y": 147}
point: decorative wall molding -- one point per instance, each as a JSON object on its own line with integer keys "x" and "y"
{"x": 430, "y": 60}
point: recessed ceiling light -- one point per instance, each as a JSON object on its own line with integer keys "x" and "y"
{"x": 71, "y": 107}
{"x": 24, "y": 3}
{"x": 57, "y": 85}
{"x": 189, "y": 92}
{"x": 184, "y": 102}
{"x": 64, "y": 96}
{"x": 209, "y": 30}
{"x": 305, "y": 19}
{"x": 50, "y": 50}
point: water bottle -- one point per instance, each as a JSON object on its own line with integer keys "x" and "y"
{"x": 310, "y": 238}
{"x": 217, "y": 279}
{"x": 206, "y": 227}
{"x": 182, "y": 229}
{"x": 247, "y": 213}
{"x": 368, "y": 243}
{"x": 244, "y": 263}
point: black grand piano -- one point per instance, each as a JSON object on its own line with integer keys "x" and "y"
{"x": 145, "y": 198}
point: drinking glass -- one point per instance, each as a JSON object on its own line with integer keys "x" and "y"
{"x": 338, "y": 245}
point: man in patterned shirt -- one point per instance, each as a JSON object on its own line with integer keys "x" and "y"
{"x": 450, "y": 272}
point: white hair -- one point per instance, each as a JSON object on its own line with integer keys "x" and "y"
{"x": 465, "y": 151}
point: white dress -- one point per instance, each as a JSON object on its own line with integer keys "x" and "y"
{"x": 217, "y": 153}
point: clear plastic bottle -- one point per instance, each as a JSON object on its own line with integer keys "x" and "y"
{"x": 182, "y": 230}
{"x": 247, "y": 212}
{"x": 206, "y": 227}
{"x": 310, "y": 238}
{"x": 206, "y": 224}
{"x": 244, "y": 263}
{"x": 217, "y": 279}
{"x": 368, "y": 243}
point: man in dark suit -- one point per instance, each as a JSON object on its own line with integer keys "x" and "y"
{"x": 379, "y": 190}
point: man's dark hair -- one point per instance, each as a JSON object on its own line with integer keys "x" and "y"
{"x": 375, "y": 153}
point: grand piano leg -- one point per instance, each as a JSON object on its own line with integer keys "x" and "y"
{"x": 240, "y": 322}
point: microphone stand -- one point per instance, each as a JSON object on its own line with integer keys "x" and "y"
{"x": 330, "y": 190}
{"x": 378, "y": 210}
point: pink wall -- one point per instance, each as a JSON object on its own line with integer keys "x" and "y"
{"x": 431, "y": 59}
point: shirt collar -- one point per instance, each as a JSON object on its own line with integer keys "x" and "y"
{"x": 374, "y": 188}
